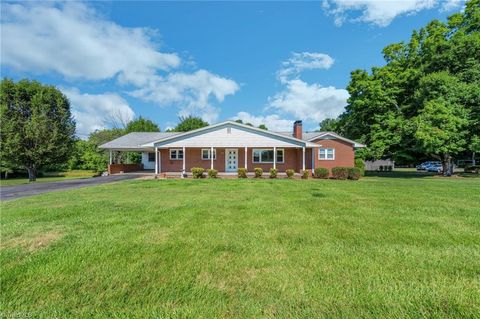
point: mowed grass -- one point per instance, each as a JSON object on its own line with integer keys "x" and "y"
{"x": 380, "y": 247}
{"x": 49, "y": 177}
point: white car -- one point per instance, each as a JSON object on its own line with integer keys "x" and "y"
{"x": 437, "y": 168}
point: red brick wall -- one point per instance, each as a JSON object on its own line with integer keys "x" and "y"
{"x": 117, "y": 168}
{"x": 193, "y": 158}
{"x": 344, "y": 154}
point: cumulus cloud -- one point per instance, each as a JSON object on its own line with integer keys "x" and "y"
{"x": 192, "y": 91}
{"x": 311, "y": 102}
{"x": 300, "y": 61}
{"x": 273, "y": 122}
{"x": 96, "y": 111}
{"x": 73, "y": 40}
{"x": 381, "y": 13}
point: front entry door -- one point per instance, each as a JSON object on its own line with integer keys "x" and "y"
{"x": 231, "y": 160}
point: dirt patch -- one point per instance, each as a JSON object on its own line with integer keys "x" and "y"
{"x": 32, "y": 242}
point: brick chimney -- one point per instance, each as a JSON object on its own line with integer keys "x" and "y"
{"x": 297, "y": 129}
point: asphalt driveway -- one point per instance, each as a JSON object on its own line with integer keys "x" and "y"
{"x": 13, "y": 192}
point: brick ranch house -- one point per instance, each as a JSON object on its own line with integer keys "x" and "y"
{"x": 229, "y": 145}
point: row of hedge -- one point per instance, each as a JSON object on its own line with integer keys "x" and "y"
{"x": 353, "y": 173}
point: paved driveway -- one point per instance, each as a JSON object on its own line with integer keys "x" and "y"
{"x": 13, "y": 192}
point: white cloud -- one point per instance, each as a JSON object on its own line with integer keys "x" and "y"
{"x": 310, "y": 102}
{"x": 304, "y": 61}
{"x": 73, "y": 40}
{"x": 96, "y": 111}
{"x": 192, "y": 92}
{"x": 273, "y": 122}
{"x": 381, "y": 12}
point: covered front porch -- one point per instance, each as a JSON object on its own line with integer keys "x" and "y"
{"x": 227, "y": 160}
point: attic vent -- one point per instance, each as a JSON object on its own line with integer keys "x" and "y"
{"x": 229, "y": 130}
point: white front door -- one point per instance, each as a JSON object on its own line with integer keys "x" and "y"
{"x": 231, "y": 160}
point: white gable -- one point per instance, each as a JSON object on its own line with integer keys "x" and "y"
{"x": 229, "y": 136}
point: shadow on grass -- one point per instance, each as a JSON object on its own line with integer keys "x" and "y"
{"x": 414, "y": 174}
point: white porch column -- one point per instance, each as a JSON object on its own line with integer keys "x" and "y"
{"x": 313, "y": 158}
{"x": 274, "y": 157}
{"x": 110, "y": 161}
{"x": 246, "y": 156}
{"x": 184, "y": 155}
{"x": 211, "y": 157}
{"x": 156, "y": 160}
{"x": 303, "y": 157}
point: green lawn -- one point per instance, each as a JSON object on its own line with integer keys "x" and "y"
{"x": 49, "y": 177}
{"x": 382, "y": 247}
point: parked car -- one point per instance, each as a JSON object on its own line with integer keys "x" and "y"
{"x": 424, "y": 166}
{"x": 437, "y": 168}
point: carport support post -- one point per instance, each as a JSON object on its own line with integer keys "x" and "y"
{"x": 156, "y": 161}
{"x": 211, "y": 157}
{"x": 303, "y": 158}
{"x": 246, "y": 152}
{"x": 274, "y": 157}
{"x": 183, "y": 170}
{"x": 110, "y": 160}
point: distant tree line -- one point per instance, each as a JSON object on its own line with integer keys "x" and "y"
{"x": 425, "y": 102}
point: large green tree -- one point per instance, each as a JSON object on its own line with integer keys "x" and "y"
{"x": 433, "y": 81}
{"x": 141, "y": 125}
{"x": 189, "y": 123}
{"x": 37, "y": 126}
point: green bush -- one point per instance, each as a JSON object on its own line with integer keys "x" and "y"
{"x": 354, "y": 173}
{"x": 197, "y": 172}
{"x": 242, "y": 172}
{"x": 361, "y": 165}
{"x": 389, "y": 168}
{"x": 340, "y": 172}
{"x": 305, "y": 174}
{"x": 212, "y": 173}
{"x": 290, "y": 173}
{"x": 321, "y": 172}
{"x": 380, "y": 168}
{"x": 258, "y": 172}
{"x": 273, "y": 173}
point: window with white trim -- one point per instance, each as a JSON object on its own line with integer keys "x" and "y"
{"x": 266, "y": 155}
{"x": 206, "y": 154}
{"x": 176, "y": 154}
{"x": 151, "y": 157}
{"x": 326, "y": 154}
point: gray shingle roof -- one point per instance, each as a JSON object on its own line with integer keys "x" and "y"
{"x": 136, "y": 139}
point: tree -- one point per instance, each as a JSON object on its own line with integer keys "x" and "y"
{"x": 328, "y": 125}
{"x": 189, "y": 123}
{"x": 37, "y": 126}
{"x": 263, "y": 127}
{"x": 141, "y": 125}
{"x": 440, "y": 129}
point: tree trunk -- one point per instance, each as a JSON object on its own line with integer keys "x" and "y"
{"x": 473, "y": 159}
{"x": 447, "y": 165}
{"x": 32, "y": 173}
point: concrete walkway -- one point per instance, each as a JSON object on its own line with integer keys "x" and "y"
{"x": 13, "y": 192}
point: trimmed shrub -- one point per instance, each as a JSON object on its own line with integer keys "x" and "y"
{"x": 354, "y": 173}
{"x": 361, "y": 165}
{"x": 340, "y": 172}
{"x": 212, "y": 173}
{"x": 290, "y": 173}
{"x": 197, "y": 172}
{"x": 273, "y": 173}
{"x": 389, "y": 168}
{"x": 258, "y": 172}
{"x": 380, "y": 168}
{"x": 321, "y": 172}
{"x": 242, "y": 172}
{"x": 305, "y": 174}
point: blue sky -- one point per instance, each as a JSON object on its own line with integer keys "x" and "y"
{"x": 264, "y": 62}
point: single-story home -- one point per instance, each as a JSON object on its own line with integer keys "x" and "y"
{"x": 226, "y": 146}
